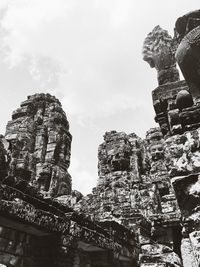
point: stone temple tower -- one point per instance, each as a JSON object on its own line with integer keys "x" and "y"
{"x": 39, "y": 144}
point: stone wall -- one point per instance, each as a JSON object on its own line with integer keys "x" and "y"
{"x": 176, "y": 105}
{"x": 37, "y": 227}
{"x": 134, "y": 189}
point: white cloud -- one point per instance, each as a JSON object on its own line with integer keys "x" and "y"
{"x": 87, "y": 53}
{"x": 82, "y": 178}
{"x": 76, "y": 48}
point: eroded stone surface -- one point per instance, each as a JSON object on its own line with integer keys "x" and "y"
{"x": 37, "y": 226}
{"x": 158, "y": 255}
{"x": 134, "y": 189}
{"x": 40, "y": 144}
{"x": 187, "y": 55}
{"x": 145, "y": 209}
{"x": 159, "y": 52}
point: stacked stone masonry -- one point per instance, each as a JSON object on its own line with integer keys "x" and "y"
{"x": 38, "y": 229}
{"x": 152, "y": 186}
{"x": 39, "y": 144}
{"x": 145, "y": 209}
{"x": 135, "y": 190}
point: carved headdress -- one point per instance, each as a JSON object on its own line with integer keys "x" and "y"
{"x": 158, "y": 50}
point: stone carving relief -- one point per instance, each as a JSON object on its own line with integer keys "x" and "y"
{"x": 158, "y": 51}
{"x": 187, "y": 32}
{"x": 40, "y": 144}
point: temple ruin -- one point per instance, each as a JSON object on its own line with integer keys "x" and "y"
{"x": 145, "y": 208}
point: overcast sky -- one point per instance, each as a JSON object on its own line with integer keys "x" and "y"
{"x": 88, "y": 54}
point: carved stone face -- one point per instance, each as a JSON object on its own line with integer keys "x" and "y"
{"x": 43, "y": 136}
{"x": 156, "y": 152}
{"x": 173, "y": 149}
{"x": 158, "y": 52}
{"x": 164, "y": 60}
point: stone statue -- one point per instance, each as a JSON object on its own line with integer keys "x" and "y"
{"x": 187, "y": 32}
{"x": 159, "y": 51}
